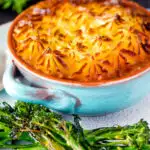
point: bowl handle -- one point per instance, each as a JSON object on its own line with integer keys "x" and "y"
{"x": 53, "y": 98}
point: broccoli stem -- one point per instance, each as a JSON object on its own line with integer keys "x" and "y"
{"x": 57, "y": 135}
{"x": 51, "y": 131}
{"x": 30, "y": 117}
{"x": 136, "y": 135}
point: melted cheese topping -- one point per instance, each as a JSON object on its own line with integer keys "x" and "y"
{"x": 86, "y": 42}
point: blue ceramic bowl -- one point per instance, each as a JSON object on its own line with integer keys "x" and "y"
{"x": 74, "y": 97}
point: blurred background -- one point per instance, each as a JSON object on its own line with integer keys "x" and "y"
{"x": 10, "y": 8}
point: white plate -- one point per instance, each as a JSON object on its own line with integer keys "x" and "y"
{"x": 127, "y": 116}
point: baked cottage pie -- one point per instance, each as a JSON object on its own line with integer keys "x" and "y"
{"x": 84, "y": 40}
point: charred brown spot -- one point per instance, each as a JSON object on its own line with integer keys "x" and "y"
{"x": 123, "y": 57}
{"x": 57, "y": 32}
{"x": 131, "y": 29}
{"x": 92, "y": 13}
{"x": 105, "y": 38}
{"x": 97, "y": 54}
{"x": 119, "y": 19}
{"x": 147, "y": 26}
{"x": 58, "y": 53}
{"x": 48, "y": 64}
{"x": 146, "y": 48}
{"x": 35, "y": 17}
{"x": 102, "y": 68}
{"x": 81, "y": 46}
{"x": 106, "y": 62}
{"x": 141, "y": 34}
{"x": 61, "y": 61}
{"x": 79, "y": 17}
{"x": 78, "y": 2}
{"x": 44, "y": 41}
{"x": 128, "y": 52}
{"x": 81, "y": 69}
{"x": 79, "y": 32}
{"x": 61, "y": 36}
{"x": 40, "y": 60}
{"x": 130, "y": 44}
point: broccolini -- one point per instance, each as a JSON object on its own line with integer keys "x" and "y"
{"x": 42, "y": 129}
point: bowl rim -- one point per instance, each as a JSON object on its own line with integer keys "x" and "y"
{"x": 39, "y": 74}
